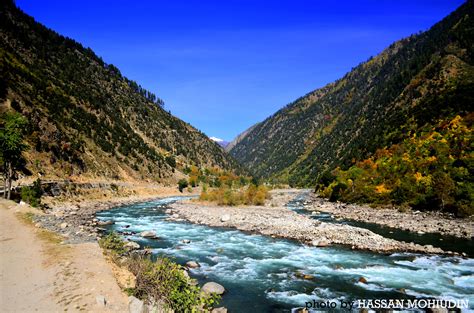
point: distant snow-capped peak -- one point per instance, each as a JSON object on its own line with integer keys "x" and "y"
{"x": 220, "y": 142}
{"x": 216, "y": 139}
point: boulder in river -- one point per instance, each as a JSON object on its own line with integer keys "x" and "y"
{"x": 362, "y": 280}
{"x": 192, "y": 264}
{"x": 212, "y": 287}
{"x": 131, "y": 245}
{"x": 219, "y": 310}
{"x": 148, "y": 234}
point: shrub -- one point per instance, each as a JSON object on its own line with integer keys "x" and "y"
{"x": 113, "y": 243}
{"x": 337, "y": 191}
{"x": 32, "y": 195}
{"x": 182, "y": 183}
{"x": 165, "y": 280}
{"x": 225, "y": 195}
{"x": 114, "y": 187}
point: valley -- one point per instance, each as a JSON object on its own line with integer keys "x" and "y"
{"x": 360, "y": 190}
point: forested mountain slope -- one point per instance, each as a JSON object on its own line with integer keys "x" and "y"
{"x": 84, "y": 117}
{"x": 414, "y": 83}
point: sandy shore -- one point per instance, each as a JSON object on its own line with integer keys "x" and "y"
{"x": 275, "y": 219}
{"x": 419, "y": 222}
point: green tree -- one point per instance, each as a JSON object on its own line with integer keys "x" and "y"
{"x": 183, "y": 183}
{"x": 12, "y": 128}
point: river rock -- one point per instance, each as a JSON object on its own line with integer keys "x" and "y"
{"x": 158, "y": 307}
{"x": 192, "y": 264}
{"x": 101, "y": 301}
{"x": 103, "y": 223}
{"x": 323, "y": 242}
{"x": 225, "y": 218}
{"x": 362, "y": 280}
{"x": 131, "y": 245}
{"x": 213, "y": 287}
{"x": 219, "y": 310}
{"x": 308, "y": 277}
{"x": 136, "y": 305}
{"x": 148, "y": 234}
{"x": 186, "y": 241}
{"x": 64, "y": 225}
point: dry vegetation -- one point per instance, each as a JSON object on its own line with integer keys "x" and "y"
{"x": 248, "y": 195}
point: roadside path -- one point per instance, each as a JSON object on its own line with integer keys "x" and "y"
{"x": 39, "y": 274}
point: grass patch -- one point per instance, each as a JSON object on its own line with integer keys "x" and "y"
{"x": 52, "y": 241}
{"x": 26, "y": 217}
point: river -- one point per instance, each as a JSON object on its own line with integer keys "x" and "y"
{"x": 259, "y": 272}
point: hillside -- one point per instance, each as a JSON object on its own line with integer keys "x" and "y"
{"x": 239, "y": 138}
{"x": 411, "y": 85}
{"x": 87, "y": 119}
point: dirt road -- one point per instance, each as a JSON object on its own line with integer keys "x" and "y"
{"x": 39, "y": 274}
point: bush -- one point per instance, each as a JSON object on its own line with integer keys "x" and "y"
{"x": 32, "y": 195}
{"x": 225, "y": 195}
{"x": 114, "y": 187}
{"x": 165, "y": 280}
{"x": 113, "y": 243}
{"x": 182, "y": 183}
{"x": 337, "y": 191}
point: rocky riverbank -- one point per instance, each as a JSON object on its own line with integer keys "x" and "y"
{"x": 414, "y": 221}
{"x": 276, "y": 220}
{"x": 75, "y": 219}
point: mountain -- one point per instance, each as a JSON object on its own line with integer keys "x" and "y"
{"x": 85, "y": 118}
{"x": 239, "y": 138}
{"x": 220, "y": 142}
{"x": 414, "y": 83}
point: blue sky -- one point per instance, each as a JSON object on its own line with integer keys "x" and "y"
{"x": 225, "y": 65}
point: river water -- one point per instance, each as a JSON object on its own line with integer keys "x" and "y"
{"x": 259, "y": 272}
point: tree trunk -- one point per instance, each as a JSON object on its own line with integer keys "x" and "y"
{"x": 5, "y": 183}
{"x": 10, "y": 170}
